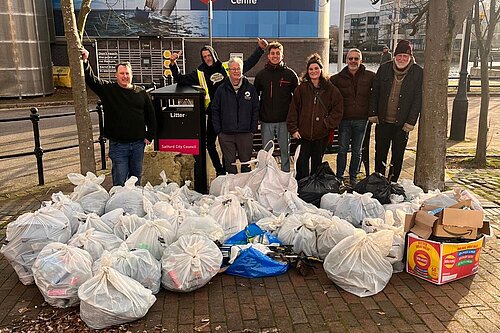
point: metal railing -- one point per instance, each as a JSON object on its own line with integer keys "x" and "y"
{"x": 38, "y": 151}
{"x": 475, "y": 84}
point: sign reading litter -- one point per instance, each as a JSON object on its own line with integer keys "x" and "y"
{"x": 441, "y": 263}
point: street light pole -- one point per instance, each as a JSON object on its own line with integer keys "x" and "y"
{"x": 210, "y": 17}
{"x": 461, "y": 103}
{"x": 395, "y": 34}
{"x": 340, "y": 46}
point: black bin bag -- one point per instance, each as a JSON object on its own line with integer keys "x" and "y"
{"x": 323, "y": 181}
{"x": 380, "y": 187}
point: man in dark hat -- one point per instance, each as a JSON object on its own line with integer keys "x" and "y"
{"x": 386, "y": 55}
{"x": 395, "y": 105}
{"x": 210, "y": 75}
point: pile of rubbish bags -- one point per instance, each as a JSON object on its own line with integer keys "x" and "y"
{"x": 111, "y": 251}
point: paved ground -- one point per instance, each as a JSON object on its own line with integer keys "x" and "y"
{"x": 290, "y": 302}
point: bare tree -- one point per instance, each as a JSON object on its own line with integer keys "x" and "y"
{"x": 444, "y": 20}
{"x": 484, "y": 36}
{"x": 74, "y": 35}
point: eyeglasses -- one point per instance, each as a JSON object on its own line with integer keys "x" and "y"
{"x": 353, "y": 58}
{"x": 235, "y": 69}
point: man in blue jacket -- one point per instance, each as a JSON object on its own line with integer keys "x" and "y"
{"x": 235, "y": 114}
{"x": 210, "y": 75}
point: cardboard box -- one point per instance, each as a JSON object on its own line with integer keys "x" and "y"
{"x": 441, "y": 263}
{"x": 457, "y": 221}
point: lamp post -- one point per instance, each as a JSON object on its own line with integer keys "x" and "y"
{"x": 210, "y": 17}
{"x": 461, "y": 103}
{"x": 340, "y": 46}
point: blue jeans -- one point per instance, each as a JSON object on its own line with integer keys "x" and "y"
{"x": 126, "y": 159}
{"x": 351, "y": 132}
{"x": 279, "y": 130}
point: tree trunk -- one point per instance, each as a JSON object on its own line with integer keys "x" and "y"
{"x": 482, "y": 131}
{"x": 484, "y": 40}
{"x": 444, "y": 20}
{"x": 83, "y": 120}
{"x": 82, "y": 17}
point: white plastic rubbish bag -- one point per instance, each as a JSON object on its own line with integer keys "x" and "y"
{"x": 412, "y": 191}
{"x": 355, "y": 207}
{"x": 329, "y": 201}
{"x": 112, "y": 217}
{"x": 290, "y": 229}
{"x": 138, "y": 264}
{"x": 59, "y": 270}
{"x": 95, "y": 242}
{"x": 68, "y": 207}
{"x": 129, "y": 197}
{"x": 438, "y": 198}
{"x": 93, "y": 221}
{"x": 189, "y": 263}
{"x": 201, "y": 225}
{"x": 153, "y": 236}
{"x": 127, "y": 224}
{"x": 337, "y": 231}
{"x": 272, "y": 223}
{"x": 28, "y": 235}
{"x": 111, "y": 298}
{"x": 228, "y": 212}
{"x": 395, "y": 255}
{"x": 89, "y": 192}
{"x": 358, "y": 263}
{"x": 254, "y": 210}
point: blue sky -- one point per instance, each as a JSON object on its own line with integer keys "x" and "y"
{"x": 351, "y": 7}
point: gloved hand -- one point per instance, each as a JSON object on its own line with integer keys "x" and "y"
{"x": 408, "y": 128}
{"x": 373, "y": 119}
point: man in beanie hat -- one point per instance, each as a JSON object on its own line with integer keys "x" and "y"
{"x": 395, "y": 104}
{"x": 210, "y": 75}
{"x": 386, "y": 55}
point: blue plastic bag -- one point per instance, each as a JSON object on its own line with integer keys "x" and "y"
{"x": 248, "y": 235}
{"x": 252, "y": 263}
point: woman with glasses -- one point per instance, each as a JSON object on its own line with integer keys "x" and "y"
{"x": 316, "y": 109}
{"x": 235, "y": 114}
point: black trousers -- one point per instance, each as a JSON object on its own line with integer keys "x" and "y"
{"x": 236, "y": 145}
{"x": 211, "y": 147}
{"x": 390, "y": 136}
{"x": 312, "y": 150}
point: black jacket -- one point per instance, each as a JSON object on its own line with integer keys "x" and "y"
{"x": 128, "y": 113}
{"x": 410, "y": 97}
{"x": 235, "y": 112}
{"x": 275, "y": 85}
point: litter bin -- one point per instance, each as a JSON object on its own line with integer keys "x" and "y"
{"x": 181, "y": 126}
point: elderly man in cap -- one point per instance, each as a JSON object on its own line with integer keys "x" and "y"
{"x": 395, "y": 105}
{"x": 386, "y": 55}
